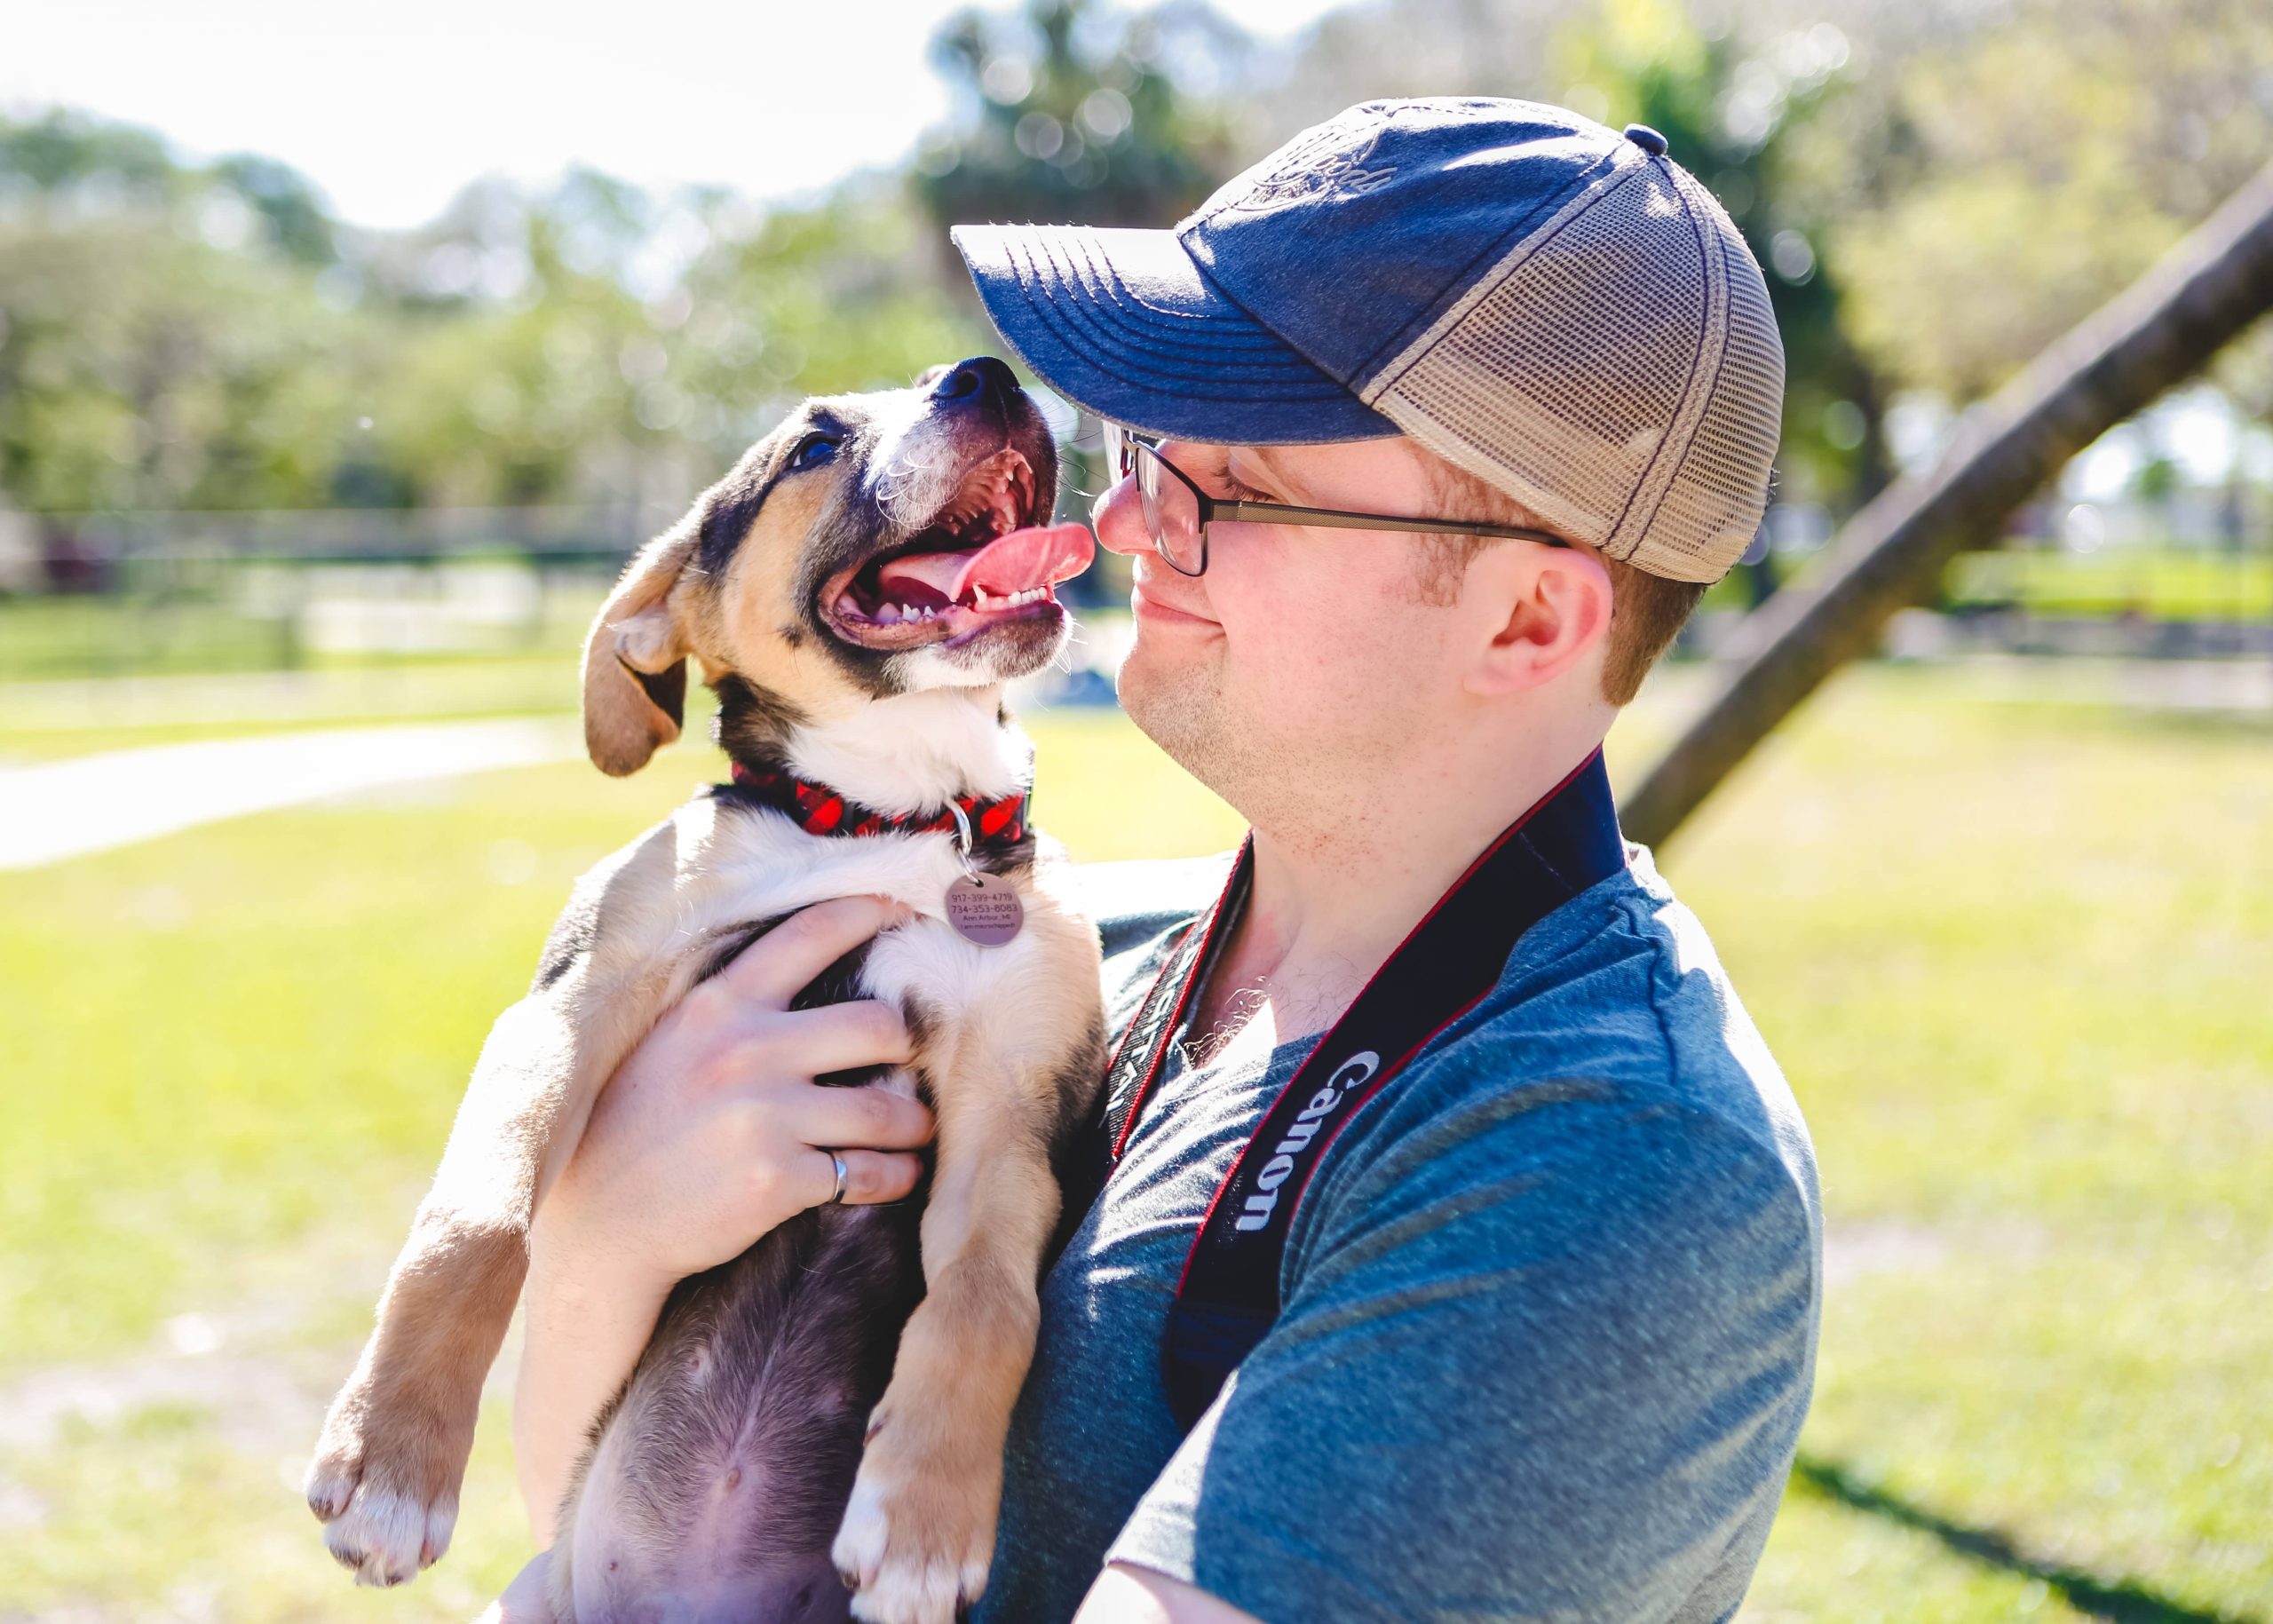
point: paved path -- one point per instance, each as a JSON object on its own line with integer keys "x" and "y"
{"x": 54, "y": 810}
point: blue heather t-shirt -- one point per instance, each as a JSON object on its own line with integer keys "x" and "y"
{"x": 1551, "y": 1307}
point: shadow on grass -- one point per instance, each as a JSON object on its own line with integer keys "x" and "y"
{"x": 2127, "y": 1601}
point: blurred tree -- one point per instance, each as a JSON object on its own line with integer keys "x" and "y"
{"x": 1076, "y": 110}
{"x": 61, "y": 151}
{"x": 2023, "y": 173}
{"x": 505, "y": 387}
{"x": 174, "y": 336}
{"x": 834, "y": 295}
{"x": 142, "y": 368}
{"x": 161, "y": 342}
{"x": 1378, "y": 49}
{"x": 290, "y": 209}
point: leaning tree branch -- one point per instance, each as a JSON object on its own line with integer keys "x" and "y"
{"x": 2158, "y": 332}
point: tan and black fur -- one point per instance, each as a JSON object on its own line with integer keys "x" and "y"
{"x": 731, "y": 1478}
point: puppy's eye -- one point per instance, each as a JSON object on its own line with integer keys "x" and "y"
{"x": 813, "y": 450}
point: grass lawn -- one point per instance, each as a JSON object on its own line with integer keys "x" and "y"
{"x": 50, "y": 719}
{"x": 115, "y": 635}
{"x": 2014, "y": 961}
{"x": 2162, "y": 584}
{"x": 130, "y": 634}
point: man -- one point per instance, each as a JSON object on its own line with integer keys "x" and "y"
{"x": 1548, "y": 1305}
{"x": 1534, "y": 1330}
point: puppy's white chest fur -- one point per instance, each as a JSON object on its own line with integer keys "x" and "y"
{"x": 738, "y": 865}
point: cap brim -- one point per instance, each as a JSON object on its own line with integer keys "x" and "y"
{"x": 1124, "y": 324}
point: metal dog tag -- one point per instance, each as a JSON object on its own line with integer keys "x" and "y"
{"x": 985, "y": 908}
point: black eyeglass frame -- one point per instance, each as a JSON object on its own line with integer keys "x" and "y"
{"x": 1118, "y": 438}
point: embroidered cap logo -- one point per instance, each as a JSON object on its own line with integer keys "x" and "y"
{"x": 1331, "y": 163}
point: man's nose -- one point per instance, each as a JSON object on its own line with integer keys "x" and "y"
{"x": 982, "y": 380}
{"x": 1118, "y": 517}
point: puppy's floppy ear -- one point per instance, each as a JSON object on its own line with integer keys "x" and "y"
{"x": 635, "y": 660}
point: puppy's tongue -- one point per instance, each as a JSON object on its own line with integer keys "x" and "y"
{"x": 1039, "y": 556}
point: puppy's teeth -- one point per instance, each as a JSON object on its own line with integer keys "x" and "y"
{"x": 889, "y": 616}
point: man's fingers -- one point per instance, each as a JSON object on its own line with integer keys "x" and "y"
{"x": 836, "y": 1037}
{"x": 870, "y": 1176}
{"x": 872, "y": 1118}
{"x": 784, "y": 961}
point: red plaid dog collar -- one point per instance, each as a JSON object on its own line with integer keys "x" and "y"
{"x": 819, "y": 810}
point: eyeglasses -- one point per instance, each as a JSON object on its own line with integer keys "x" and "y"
{"x": 1177, "y": 512}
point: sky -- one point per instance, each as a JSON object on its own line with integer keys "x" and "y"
{"x": 391, "y": 109}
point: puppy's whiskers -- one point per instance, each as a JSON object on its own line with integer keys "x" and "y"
{"x": 910, "y": 491}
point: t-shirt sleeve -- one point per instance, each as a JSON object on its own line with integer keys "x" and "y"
{"x": 1544, "y": 1355}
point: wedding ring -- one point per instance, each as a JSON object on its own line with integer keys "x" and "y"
{"x": 837, "y": 1200}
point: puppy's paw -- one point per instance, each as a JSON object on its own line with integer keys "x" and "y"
{"x": 385, "y": 1538}
{"x": 919, "y": 1534}
{"x": 387, "y": 1495}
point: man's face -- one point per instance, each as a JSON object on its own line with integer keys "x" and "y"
{"x": 1303, "y": 656}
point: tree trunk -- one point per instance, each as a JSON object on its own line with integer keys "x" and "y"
{"x": 2157, "y": 333}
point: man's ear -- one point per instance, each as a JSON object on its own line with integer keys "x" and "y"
{"x": 635, "y": 660}
{"x": 1551, "y": 609}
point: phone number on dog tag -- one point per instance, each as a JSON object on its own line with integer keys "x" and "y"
{"x": 985, "y": 908}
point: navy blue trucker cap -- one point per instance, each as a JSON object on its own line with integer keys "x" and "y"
{"x": 1556, "y": 306}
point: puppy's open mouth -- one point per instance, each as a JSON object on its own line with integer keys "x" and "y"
{"x": 983, "y": 560}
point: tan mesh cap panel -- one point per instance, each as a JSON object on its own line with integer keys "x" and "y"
{"x": 1619, "y": 373}
{"x": 1712, "y": 509}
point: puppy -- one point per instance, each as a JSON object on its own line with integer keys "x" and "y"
{"x": 858, "y": 590}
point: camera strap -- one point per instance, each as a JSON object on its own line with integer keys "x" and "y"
{"x": 1229, "y": 1297}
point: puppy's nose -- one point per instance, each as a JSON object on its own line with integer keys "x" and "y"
{"x": 982, "y": 377}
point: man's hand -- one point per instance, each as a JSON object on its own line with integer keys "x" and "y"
{"x": 712, "y": 1133}
{"x": 714, "y": 1130}
{"x": 1127, "y": 1595}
